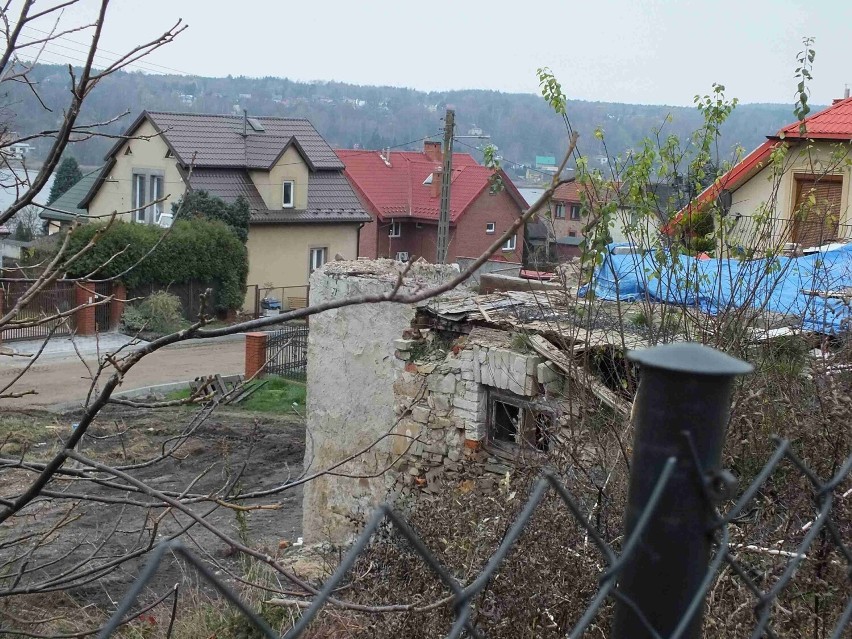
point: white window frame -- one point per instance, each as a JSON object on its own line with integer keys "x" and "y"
{"x": 559, "y": 214}
{"x": 579, "y": 213}
{"x": 490, "y": 228}
{"x": 157, "y": 184}
{"x": 402, "y": 256}
{"x": 317, "y": 257}
{"x": 511, "y": 244}
{"x": 288, "y": 203}
{"x": 395, "y": 229}
{"x": 138, "y": 192}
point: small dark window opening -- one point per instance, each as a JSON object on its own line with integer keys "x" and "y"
{"x": 516, "y": 425}
{"x": 506, "y": 420}
{"x": 169, "y": 153}
{"x": 127, "y": 151}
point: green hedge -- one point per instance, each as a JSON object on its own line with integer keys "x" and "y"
{"x": 193, "y": 250}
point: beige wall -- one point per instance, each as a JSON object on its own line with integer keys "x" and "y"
{"x": 270, "y": 184}
{"x": 116, "y": 192}
{"x": 279, "y": 253}
{"x": 776, "y": 194}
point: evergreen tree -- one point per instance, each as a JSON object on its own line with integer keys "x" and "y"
{"x": 201, "y": 204}
{"x": 67, "y": 175}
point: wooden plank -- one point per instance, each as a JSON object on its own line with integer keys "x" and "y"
{"x": 547, "y": 350}
{"x": 249, "y": 392}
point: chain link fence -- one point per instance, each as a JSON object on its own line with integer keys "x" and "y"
{"x": 678, "y": 523}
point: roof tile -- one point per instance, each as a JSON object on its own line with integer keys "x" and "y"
{"x": 397, "y": 189}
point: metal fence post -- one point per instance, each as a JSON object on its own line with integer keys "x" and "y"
{"x": 681, "y": 410}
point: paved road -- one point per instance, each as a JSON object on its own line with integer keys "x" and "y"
{"x": 62, "y": 380}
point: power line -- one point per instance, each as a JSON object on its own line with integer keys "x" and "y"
{"x": 100, "y": 49}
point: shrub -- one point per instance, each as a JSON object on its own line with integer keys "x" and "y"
{"x": 196, "y": 250}
{"x": 202, "y": 205}
{"x": 160, "y": 312}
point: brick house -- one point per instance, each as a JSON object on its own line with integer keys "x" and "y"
{"x": 402, "y": 192}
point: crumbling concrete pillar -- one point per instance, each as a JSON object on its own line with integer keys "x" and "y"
{"x": 351, "y": 406}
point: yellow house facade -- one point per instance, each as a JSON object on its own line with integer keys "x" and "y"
{"x": 793, "y": 191}
{"x": 303, "y": 211}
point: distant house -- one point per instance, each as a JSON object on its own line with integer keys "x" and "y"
{"x": 303, "y": 210}
{"x": 402, "y": 191}
{"x": 545, "y": 166}
{"x": 569, "y": 216}
{"x": 804, "y": 201}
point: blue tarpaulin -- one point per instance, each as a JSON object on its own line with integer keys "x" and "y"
{"x": 776, "y": 284}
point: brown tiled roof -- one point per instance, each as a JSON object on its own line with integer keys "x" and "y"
{"x": 206, "y": 140}
{"x": 330, "y": 198}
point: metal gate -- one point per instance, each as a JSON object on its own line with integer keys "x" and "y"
{"x": 37, "y": 318}
{"x": 103, "y": 310}
{"x": 287, "y": 352}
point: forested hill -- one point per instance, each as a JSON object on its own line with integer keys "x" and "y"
{"x": 521, "y": 125}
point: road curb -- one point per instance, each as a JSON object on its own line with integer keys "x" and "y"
{"x": 144, "y": 391}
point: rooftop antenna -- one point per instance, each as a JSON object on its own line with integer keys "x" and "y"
{"x": 245, "y": 123}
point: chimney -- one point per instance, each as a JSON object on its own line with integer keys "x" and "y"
{"x": 846, "y": 92}
{"x": 437, "y": 174}
{"x": 433, "y": 152}
{"x": 845, "y": 96}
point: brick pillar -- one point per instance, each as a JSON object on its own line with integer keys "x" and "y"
{"x": 116, "y": 306}
{"x": 85, "y": 317}
{"x": 255, "y": 354}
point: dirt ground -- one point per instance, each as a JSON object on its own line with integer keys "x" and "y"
{"x": 263, "y": 450}
{"x": 65, "y": 380}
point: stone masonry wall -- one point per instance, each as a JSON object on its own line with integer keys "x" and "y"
{"x": 441, "y": 404}
{"x": 350, "y": 404}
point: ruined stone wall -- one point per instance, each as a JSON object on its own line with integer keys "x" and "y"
{"x": 441, "y": 393}
{"x": 350, "y": 403}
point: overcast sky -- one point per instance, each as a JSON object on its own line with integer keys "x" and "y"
{"x": 638, "y": 51}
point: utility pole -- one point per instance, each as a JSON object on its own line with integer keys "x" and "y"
{"x": 446, "y": 180}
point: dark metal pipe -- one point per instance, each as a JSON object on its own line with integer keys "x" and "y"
{"x": 681, "y": 410}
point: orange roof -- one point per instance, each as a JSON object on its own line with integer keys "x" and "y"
{"x": 833, "y": 123}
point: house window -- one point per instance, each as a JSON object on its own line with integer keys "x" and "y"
{"x": 147, "y": 187}
{"x": 572, "y": 233}
{"x": 560, "y": 211}
{"x": 515, "y": 424}
{"x": 317, "y": 258}
{"x": 395, "y": 229}
{"x": 575, "y": 211}
{"x": 490, "y": 227}
{"x": 287, "y": 195}
{"x": 157, "y": 194}
{"x": 511, "y": 243}
{"x": 139, "y": 180}
{"x": 817, "y": 209}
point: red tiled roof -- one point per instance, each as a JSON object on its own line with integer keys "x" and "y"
{"x": 833, "y": 123}
{"x": 396, "y": 189}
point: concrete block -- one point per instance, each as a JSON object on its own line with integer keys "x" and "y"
{"x": 468, "y": 376}
{"x": 464, "y": 404}
{"x": 547, "y": 372}
{"x": 532, "y": 363}
{"x": 438, "y": 383}
{"x": 466, "y": 355}
{"x": 421, "y": 414}
{"x": 475, "y": 431}
{"x": 441, "y": 401}
{"x": 405, "y": 344}
{"x": 441, "y": 422}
